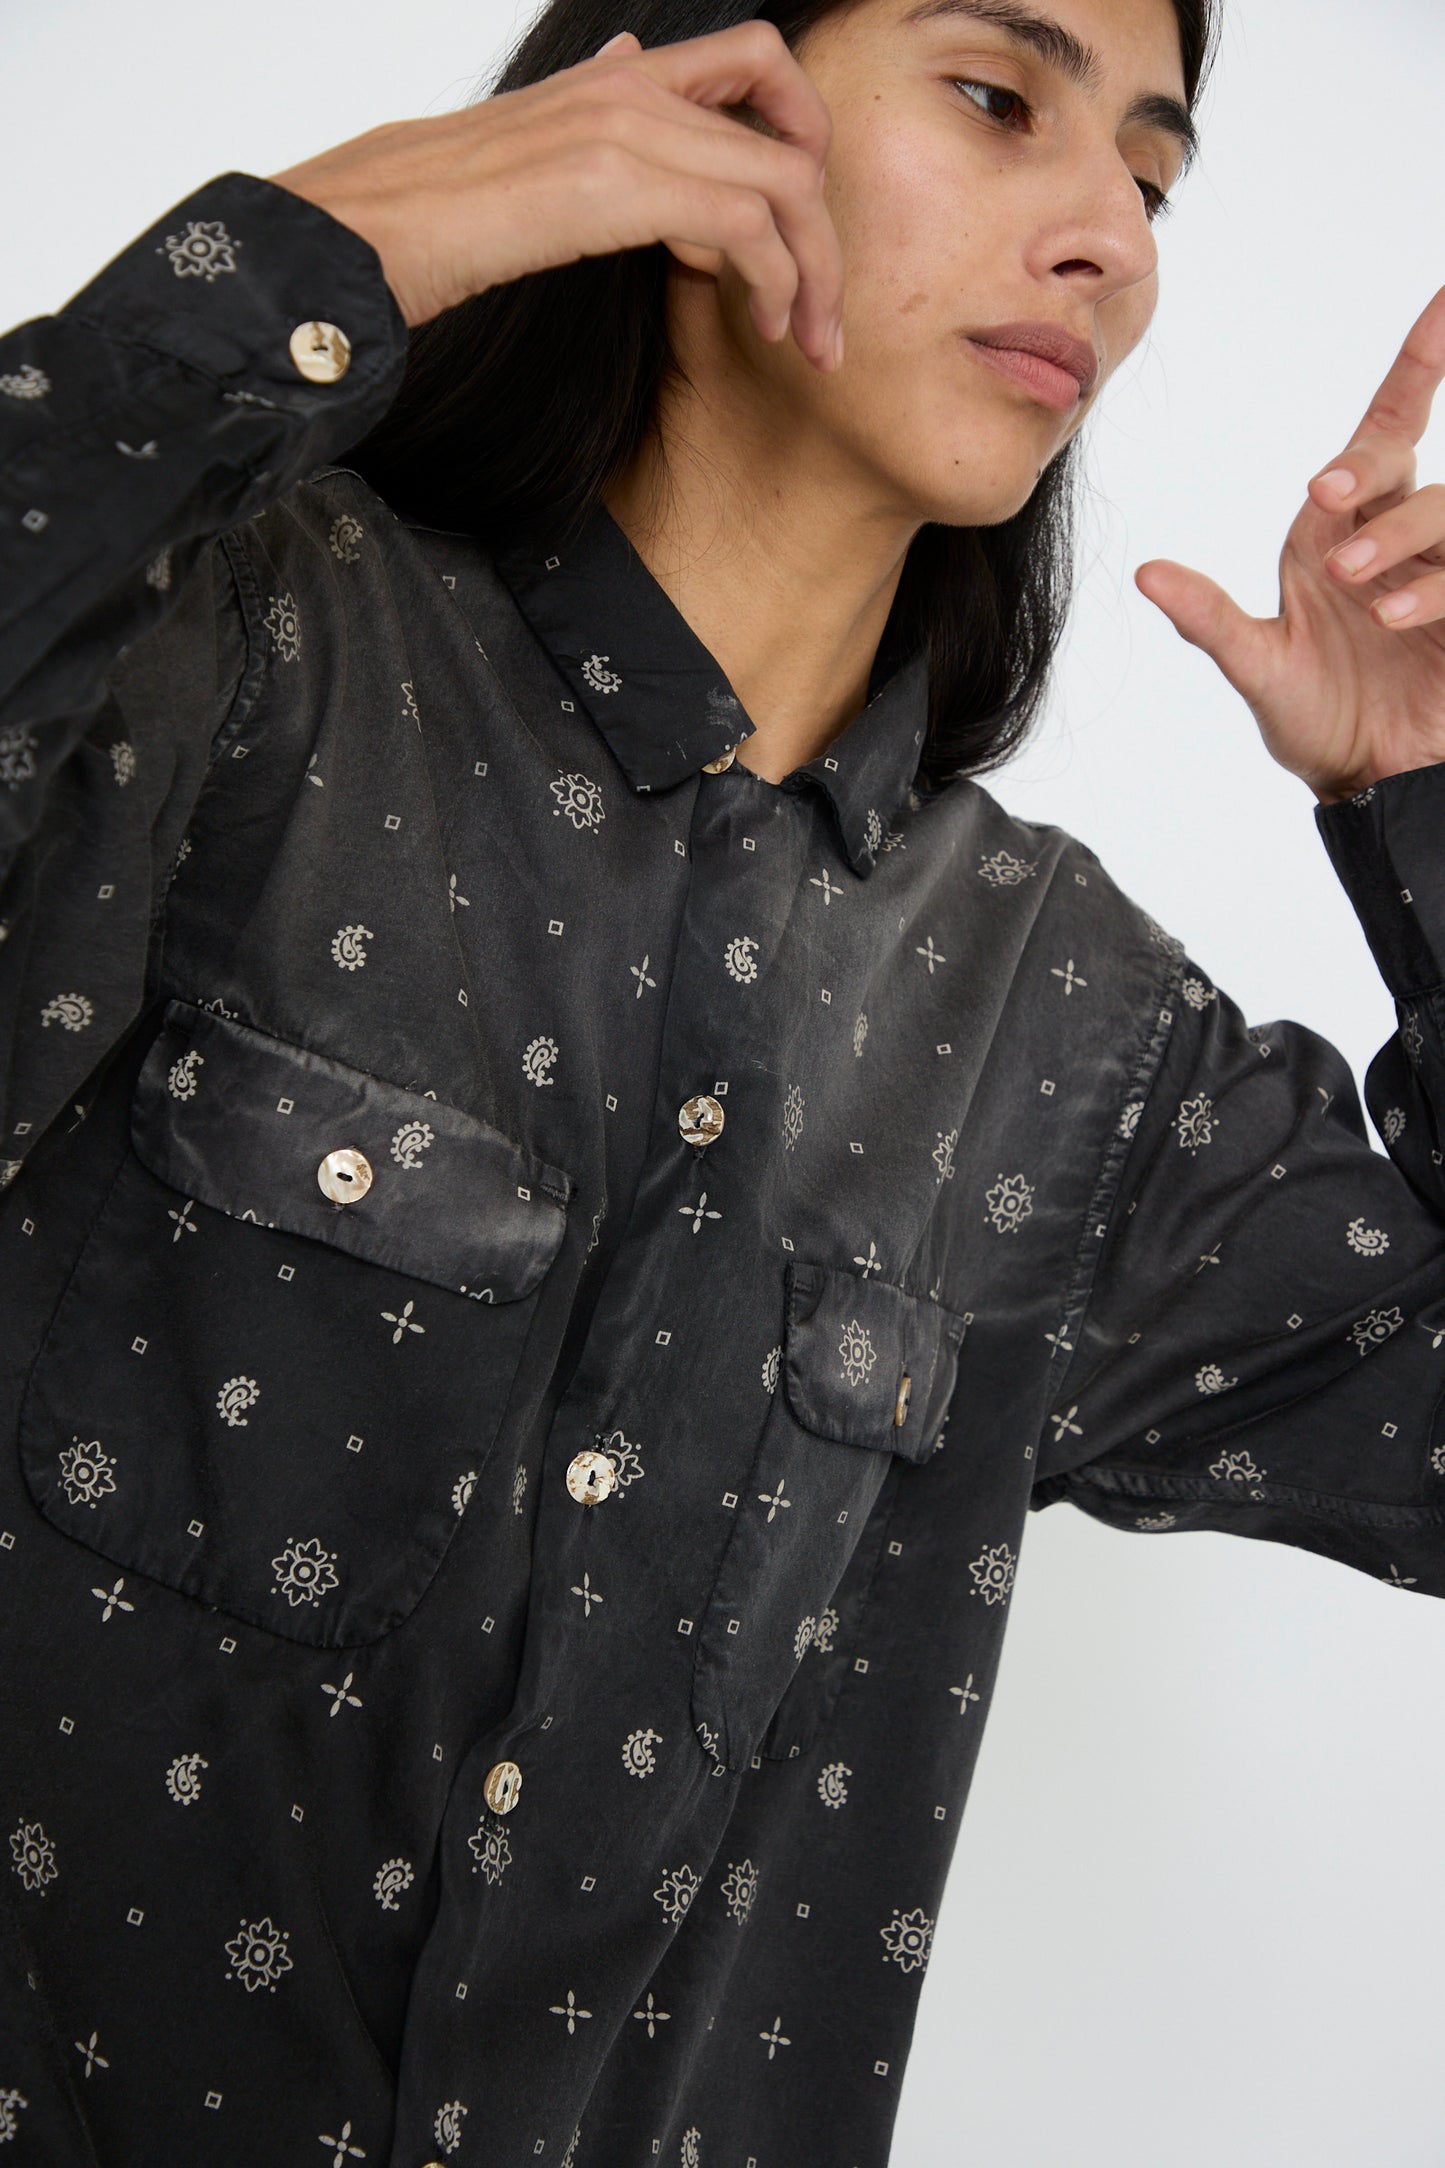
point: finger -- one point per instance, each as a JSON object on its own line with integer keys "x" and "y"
{"x": 804, "y": 282}
{"x": 701, "y": 213}
{"x": 1403, "y": 402}
{"x": 1421, "y": 603}
{"x": 1415, "y": 528}
{"x": 1208, "y": 618}
{"x": 620, "y": 42}
{"x": 1379, "y": 466}
{"x": 748, "y": 64}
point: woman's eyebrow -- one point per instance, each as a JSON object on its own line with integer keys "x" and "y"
{"x": 1058, "y": 47}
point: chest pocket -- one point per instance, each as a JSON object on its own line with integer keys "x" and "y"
{"x": 289, "y": 1340}
{"x": 808, "y": 1531}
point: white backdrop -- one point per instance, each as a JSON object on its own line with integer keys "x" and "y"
{"x": 1197, "y": 1908}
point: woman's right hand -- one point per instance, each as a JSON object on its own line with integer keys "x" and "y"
{"x": 623, "y": 150}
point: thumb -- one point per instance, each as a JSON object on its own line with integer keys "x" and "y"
{"x": 1203, "y": 614}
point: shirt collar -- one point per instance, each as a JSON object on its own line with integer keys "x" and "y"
{"x": 662, "y": 701}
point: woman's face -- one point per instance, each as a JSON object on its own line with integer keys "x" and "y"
{"x": 974, "y": 180}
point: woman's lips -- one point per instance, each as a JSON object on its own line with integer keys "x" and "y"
{"x": 1044, "y": 379}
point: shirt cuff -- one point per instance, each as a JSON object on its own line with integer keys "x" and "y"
{"x": 223, "y": 278}
{"x": 1387, "y": 845}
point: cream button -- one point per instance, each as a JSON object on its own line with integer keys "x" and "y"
{"x": 591, "y": 1477}
{"x": 345, "y": 1175}
{"x": 322, "y": 352}
{"x": 700, "y": 1119}
{"x": 502, "y": 1786}
{"x": 723, "y": 761}
{"x": 900, "y": 1405}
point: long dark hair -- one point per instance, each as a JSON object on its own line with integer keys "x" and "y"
{"x": 520, "y": 406}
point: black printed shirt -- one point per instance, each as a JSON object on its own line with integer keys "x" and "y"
{"x": 542, "y": 1275}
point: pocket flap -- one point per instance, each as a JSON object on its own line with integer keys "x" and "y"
{"x": 849, "y": 1344}
{"x": 236, "y": 1119}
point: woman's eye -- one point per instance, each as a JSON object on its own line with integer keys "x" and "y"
{"x": 991, "y": 90}
{"x": 1156, "y": 203}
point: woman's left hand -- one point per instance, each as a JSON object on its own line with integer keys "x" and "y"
{"x": 1346, "y": 686}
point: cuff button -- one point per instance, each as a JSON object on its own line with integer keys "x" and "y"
{"x": 322, "y": 352}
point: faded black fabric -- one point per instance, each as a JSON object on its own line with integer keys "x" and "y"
{"x": 329, "y": 832}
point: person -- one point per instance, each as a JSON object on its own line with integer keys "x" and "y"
{"x": 573, "y": 1174}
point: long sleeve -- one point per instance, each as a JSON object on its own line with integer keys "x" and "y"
{"x": 158, "y": 409}
{"x": 1262, "y": 1349}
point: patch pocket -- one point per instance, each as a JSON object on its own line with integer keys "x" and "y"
{"x": 803, "y": 1543}
{"x": 288, "y": 1342}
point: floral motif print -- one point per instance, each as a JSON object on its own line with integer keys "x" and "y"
{"x": 26, "y": 382}
{"x": 1392, "y": 1124}
{"x": 181, "y": 1079}
{"x": 447, "y": 2125}
{"x": 87, "y": 1472}
{"x": 638, "y": 1758}
{"x": 943, "y": 1153}
{"x": 122, "y": 758}
{"x": 1155, "y": 1521}
{"x": 462, "y": 1490}
{"x": 304, "y": 1570}
{"x": 236, "y": 1394}
{"x": 71, "y": 1010}
{"x": 872, "y": 830}
{"x": 259, "y": 1955}
{"x": 1195, "y": 1124}
{"x": 183, "y": 1780}
{"x": 803, "y": 1638}
{"x": 346, "y": 948}
{"x": 410, "y": 1141}
{"x": 18, "y": 747}
{"x": 1197, "y": 993}
{"x": 907, "y": 1939}
{"x": 993, "y": 1573}
{"x": 857, "y": 1351}
{"x": 579, "y": 799}
{"x": 600, "y": 680}
{"x": 1129, "y": 1119}
{"x": 392, "y": 1877}
{"x": 1366, "y": 1241}
{"x": 283, "y": 622}
{"x": 158, "y": 571}
{"x": 771, "y": 1362}
{"x": 1211, "y": 1379}
{"x": 11, "y": 2096}
{"x": 1413, "y": 1037}
{"x": 690, "y": 2156}
{"x": 825, "y": 1629}
{"x": 203, "y": 251}
{"x": 740, "y": 1887}
{"x": 519, "y": 1485}
{"x": 1009, "y": 1202}
{"x": 741, "y": 959}
{"x": 1172, "y": 948}
{"x": 33, "y": 1855}
{"x": 1003, "y": 870}
{"x": 831, "y": 1788}
{"x": 490, "y": 1844}
{"x": 403, "y": 1321}
{"x": 1368, "y": 1332}
{"x": 792, "y": 1117}
{"x": 626, "y": 1458}
{"x": 539, "y": 1057}
{"x": 1236, "y": 1468}
{"x": 346, "y": 532}
{"x": 860, "y": 1033}
{"x": 679, "y": 1886}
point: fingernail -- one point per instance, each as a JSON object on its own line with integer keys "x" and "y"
{"x": 1354, "y": 556}
{"x": 1340, "y": 481}
{"x": 1395, "y": 609}
{"x": 615, "y": 39}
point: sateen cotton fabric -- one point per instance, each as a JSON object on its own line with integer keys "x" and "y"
{"x": 331, "y": 833}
